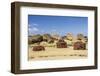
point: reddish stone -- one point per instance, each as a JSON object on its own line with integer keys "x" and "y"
{"x": 61, "y": 44}
{"x": 79, "y": 46}
{"x": 38, "y": 48}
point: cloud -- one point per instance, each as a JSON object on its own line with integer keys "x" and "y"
{"x": 34, "y": 24}
{"x": 32, "y": 29}
{"x": 35, "y": 29}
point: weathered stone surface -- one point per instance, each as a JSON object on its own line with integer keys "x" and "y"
{"x": 79, "y": 46}
{"x": 35, "y": 39}
{"x": 55, "y": 36}
{"x": 69, "y": 43}
{"x": 85, "y": 39}
{"x": 50, "y": 41}
{"x": 46, "y": 37}
{"x": 29, "y": 40}
{"x": 64, "y": 37}
{"x": 69, "y": 36}
{"x": 61, "y": 44}
{"x": 38, "y": 48}
{"x": 80, "y": 36}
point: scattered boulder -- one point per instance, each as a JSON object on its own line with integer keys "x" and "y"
{"x": 69, "y": 43}
{"x": 55, "y": 36}
{"x": 50, "y": 41}
{"x": 61, "y": 44}
{"x": 69, "y": 36}
{"x": 43, "y": 43}
{"x": 80, "y": 37}
{"x": 79, "y": 46}
{"x": 36, "y": 39}
{"x": 29, "y": 40}
{"x": 85, "y": 39}
{"x": 64, "y": 37}
{"x": 69, "y": 39}
{"x": 46, "y": 37}
{"x": 38, "y": 48}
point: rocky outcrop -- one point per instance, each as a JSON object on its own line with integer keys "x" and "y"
{"x": 69, "y": 39}
{"x": 46, "y": 37}
{"x": 50, "y": 41}
{"x": 55, "y": 36}
{"x": 85, "y": 39}
{"x": 80, "y": 36}
{"x": 69, "y": 36}
{"x": 35, "y": 39}
{"x": 61, "y": 44}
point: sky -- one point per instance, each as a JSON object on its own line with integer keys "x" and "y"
{"x": 41, "y": 24}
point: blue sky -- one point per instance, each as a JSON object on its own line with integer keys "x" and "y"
{"x": 41, "y": 24}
